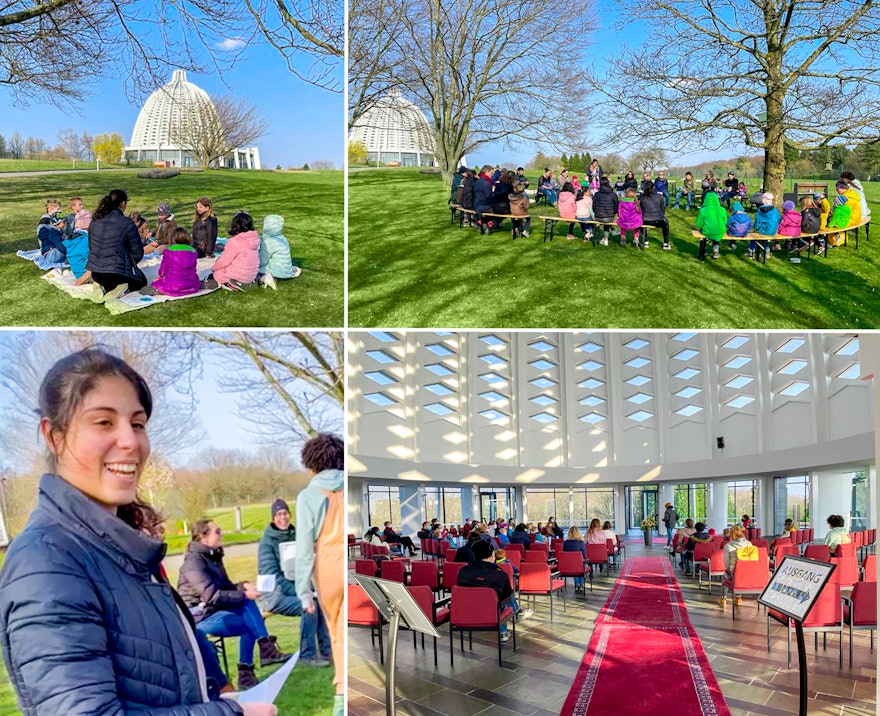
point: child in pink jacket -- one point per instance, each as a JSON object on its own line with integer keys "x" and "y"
{"x": 567, "y": 207}
{"x": 237, "y": 267}
{"x": 629, "y": 216}
{"x": 790, "y": 224}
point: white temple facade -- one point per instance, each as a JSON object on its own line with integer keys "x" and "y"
{"x": 395, "y": 132}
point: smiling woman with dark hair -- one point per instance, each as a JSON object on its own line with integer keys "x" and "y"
{"x": 88, "y": 623}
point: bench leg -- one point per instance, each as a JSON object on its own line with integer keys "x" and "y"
{"x": 702, "y": 249}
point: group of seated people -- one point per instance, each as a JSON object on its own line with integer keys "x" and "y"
{"x": 226, "y": 609}
{"x": 105, "y": 246}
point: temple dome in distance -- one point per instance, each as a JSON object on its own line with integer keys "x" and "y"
{"x": 395, "y": 130}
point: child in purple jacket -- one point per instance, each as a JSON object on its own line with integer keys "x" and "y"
{"x": 177, "y": 273}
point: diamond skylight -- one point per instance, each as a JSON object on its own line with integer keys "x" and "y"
{"x": 380, "y": 377}
{"x": 380, "y": 399}
{"x": 638, "y": 380}
{"x": 542, "y": 346}
{"x": 639, "y": 398}
{"x": 494, "y": 341}
{"x": 494, "y": 379}
{"x": 795, "y": 388}
{"x": 592, "y": 418}
{"x": 439, "y": 389}
{"x": 689, "y": 410}
{"x": 381, "y": 357}
{"x": 793, "y": 367}
{"x": 590, "y": 365}
{"x": 544, "y": 400}
{"x": 592, "y": 401}
{"x": 439, "y": 350}
{"x": 791, "y": 345}
{"x": 852, "y": 373}
{"x": 636, "y": 344}
{"x": 689, "y": 392}
{"x": 493, "y": 360}
{"x": 544, "y": 418}
{"x": 687, "y": 373}
{"x": 686, "y": 354}
{"x": 735, "y": 342}
{"x": 739, "y": 381}
{"x": 738, "y": 362}
{"x": 590, "y": 383}
{"x": 640, "y": 416}
{"x": 542, "y": 382}
{"x": 439, "y": 369}
{"x": 740, "y": 401}
{"x": 492, "y": 396}
{"x": 439, "y": 408}
{"x": 637, "y": 362}
{"x": 851, "y": 347}
{"x": 492, "y": 414}
{"x": 383, "y": 336}
{"x": 683, "y": 337}
{"x": 542, "y": 364}
{"x": 589, "y": 347}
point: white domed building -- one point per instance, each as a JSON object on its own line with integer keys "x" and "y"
{"x": 395, "y": 131}
{"x": 164, "y": 110}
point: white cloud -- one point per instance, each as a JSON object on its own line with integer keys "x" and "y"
{"x": 231, "y": 43}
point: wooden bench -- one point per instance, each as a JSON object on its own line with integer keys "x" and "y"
{"x": 455, "y": 208}
{"x": 551, "y": 221}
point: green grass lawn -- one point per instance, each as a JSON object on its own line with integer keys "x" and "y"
{"x": 408, "y": 267}
{"x": 307, "y": 692}
{"x": 36, "y": 165}
{"x": 310, "y": 202}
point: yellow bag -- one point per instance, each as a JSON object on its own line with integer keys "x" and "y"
{"x": 749, "y": 554}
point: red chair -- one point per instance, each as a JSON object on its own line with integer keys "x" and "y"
{"x": 597, "y": 554}
{"x": 810, "y": 534}
{"x": 611, "y": 551}
{"x": 516, "y": 548}
{"x": 541, "y": 547}
{"x": 869, "y": 568}
{"x": 846, "y": 550}
{"x": 713, "y": 567}
{"x": 442, "y": 550}
{"x": 860, "y": 613}
{"x": 352, "y": 543}
{"x": 366, "y": 550}
{"x": 783, "y": 551}
{"x": 826, "y": 615}
{"x": 425, "y": 574}
{"x": 394, "y": 570}
{"x": 477, "y": 609}
{"x": 363, "y": 613}
{"x": 572, "y": 564}
{"x": 367, "y": 567}
{"x": 450, "y": 574}
{"x": 556, "y": 544}
{"x": 749, "y": 577}
{"x": 536, "y": 556}
{"x": 758, "y": 542}
{"x": 450, "y": 554}
{"x": 515, "y": 557}
{"x": 702, "y": 552}
{"x": 621, "y": 547}
{"x": 508, "y": 568}
{"x": 437, "y": 612}
{"x": 676, "y": 539}
{"x": 536, "y": 580}
{"x": 819, "y": 552}
{"x": 532, "y": 537}
{"x": 847, "y": 572}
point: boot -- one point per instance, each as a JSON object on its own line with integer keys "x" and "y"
{"x": 269, "y": 653}
{"x": 246, "y": 677}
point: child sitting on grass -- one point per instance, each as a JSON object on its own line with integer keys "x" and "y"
{"x": 519, "y": 207}
{"x": 739, "y": 223}
{"x": 712, "y": 223}
{"x": 275, "y": 261}
{"x": 790, "y": 224}
{"x": 567, "y": 207}
{"x": 236, "y": 268}
{"x": 82, "y": 217}
{"x": 177, "y": 274}
{"x": 583, "y": 210}
{"x": 767, "y": 220}
{"x": 629, "y": 216}
{"x": 49, "y": 232}
{"x": 144, "y": 231}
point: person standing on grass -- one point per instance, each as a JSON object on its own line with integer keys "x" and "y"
{"x": 282, "y": 599}
{"x": 322, "y": 546}
{"x": 670, "y": 518}
{"x": 88, "y": 623}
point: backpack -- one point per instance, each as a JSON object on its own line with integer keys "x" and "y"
{"x": 458, "y": 194}
{"x": 748, "y": 554}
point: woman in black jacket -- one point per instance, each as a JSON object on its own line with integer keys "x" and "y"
{"x": 222, "y": 608}
{"x": 88, "y": 624}
{"x": 654, "y": 211}
{"x": 605, "y": 204}
{"x": 115, "y": 247}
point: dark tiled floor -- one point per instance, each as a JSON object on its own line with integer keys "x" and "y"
{"x": 536, "y": 678}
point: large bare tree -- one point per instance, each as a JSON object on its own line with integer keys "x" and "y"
{"x": 760, "y": 73}
{"x": 483, "y": 71}
{"x": 228, "y": 122}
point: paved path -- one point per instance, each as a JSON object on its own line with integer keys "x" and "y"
{"x": 232, "y": 550}
{"x": 5, "y": 175}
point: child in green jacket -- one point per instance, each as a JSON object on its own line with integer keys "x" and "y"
{"x": 712, "y": 222}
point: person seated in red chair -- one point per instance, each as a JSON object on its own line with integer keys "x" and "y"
{"x": 483, "y": 572}
{"x": 392, "y": 537}
{"x": 687, "y": 557}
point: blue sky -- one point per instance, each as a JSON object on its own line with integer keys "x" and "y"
{"x": 606, "y": 43}
{"x": 306, "y": 123}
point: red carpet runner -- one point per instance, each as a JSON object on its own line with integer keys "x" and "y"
{"x": 644, "y": 656}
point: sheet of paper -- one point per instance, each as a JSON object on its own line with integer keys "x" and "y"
{"x": 265, "y": 582}
{"x": 288, "y": 559}
{"x": 268, "y": 689}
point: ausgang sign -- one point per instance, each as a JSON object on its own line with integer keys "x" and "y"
{"x": 794, "y": 586}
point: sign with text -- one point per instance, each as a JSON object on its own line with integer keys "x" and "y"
{"x": 795, "y": 585}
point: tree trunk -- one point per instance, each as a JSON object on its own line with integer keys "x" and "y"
{"x": 774, "y": 137}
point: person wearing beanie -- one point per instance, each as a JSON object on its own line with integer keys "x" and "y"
{"x": 739, "y": 224}
{"x": 282, "y": 599}
{"x": 483, "y": 572}
{"x": 790, "y": 224}
{"x": 767, "y": 220}
{"x": 454, "y": 197}
{"x": 165, "y": 226}
{"x": 824, "y": 207}
{"x": 847, "y": 211}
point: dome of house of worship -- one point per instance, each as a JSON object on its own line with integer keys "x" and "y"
{"x": 152, "y": 138}
{"x": 395, "y": 130}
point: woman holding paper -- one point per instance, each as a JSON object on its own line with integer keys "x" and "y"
{"x": 222, "y": 608}
{"x": 88, "y": 623}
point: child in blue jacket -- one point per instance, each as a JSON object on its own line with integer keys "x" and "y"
{"x": 767, "y": 221}
{"x": 739, "y": 223}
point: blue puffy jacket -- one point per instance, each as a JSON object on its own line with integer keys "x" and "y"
{"x": 275, "y": 249}
{"x": 483, "y": 196}
{"x": 767, "y": 220}
{"x": 115, "y": 245}
{"x": 739, "y": 224}
{"x": 86, "y": 624}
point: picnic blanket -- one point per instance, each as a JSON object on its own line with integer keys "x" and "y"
{"x": 35, "y": 256}
{"x": 65, "y": 280}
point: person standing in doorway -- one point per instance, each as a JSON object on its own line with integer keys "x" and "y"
{"x": 670, "y": 517}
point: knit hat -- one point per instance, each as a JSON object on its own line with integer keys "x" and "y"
{"x": 164, "y": 209}
{"x": 482, "y": 548}
{"x": 279, "y": 505}
{"x": 668, "y": 504}
{"x": 818, "y": 195}
{"x": 841, "y": 185}
{"x": 737, "y": 206}
{"x": 462, "y": 170}
{"x": 767, "y": 197}
{"x": 788, "y": 206}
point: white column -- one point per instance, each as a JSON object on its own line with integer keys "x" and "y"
{"x": 833, "y": 496}
{"x": 410, "y": 510}
{"x": 718, "y": 505}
